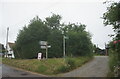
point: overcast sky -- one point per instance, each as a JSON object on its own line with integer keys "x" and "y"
{"x": 16, "y": 13}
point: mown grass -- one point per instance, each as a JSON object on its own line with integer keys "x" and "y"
{"x": 48, "y": 67}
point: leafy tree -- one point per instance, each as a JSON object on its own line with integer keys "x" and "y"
{"x": 50, "y": 30}
{"x": 112, "y": 17}
{"x": 79, "y": 43}
{"x": 2, "y": 48}
{"x": 54, "y": 21}
{"x": 55, "y": 36}
{"x": 27, "y": 44}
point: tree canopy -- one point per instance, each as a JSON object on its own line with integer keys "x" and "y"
{"x": 50, "y": 30}
{"x": 112, "y": 17}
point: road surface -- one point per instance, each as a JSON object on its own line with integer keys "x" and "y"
{"x": 98, "y": 67}
{"x": 8, "y": 71}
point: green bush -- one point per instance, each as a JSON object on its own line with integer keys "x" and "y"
{"x": 113, "y": 60}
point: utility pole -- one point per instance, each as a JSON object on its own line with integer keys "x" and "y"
{"x": 64, "y": 37}
{"x": 97, "y": 49}
{"x": 7, "y": 41}
{"x": 64, "y": 46}
{"x": 106, "y": 49}
{"x": 46, "y": 50}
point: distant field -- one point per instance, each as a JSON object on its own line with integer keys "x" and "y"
{"x": 48, "y": 67}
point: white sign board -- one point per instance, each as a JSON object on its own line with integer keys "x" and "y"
{"x": 44, "y": 47}
{"x": 39, "y": 55}
{"x": 43, "y": 43}
{"x": 49, "y": 46}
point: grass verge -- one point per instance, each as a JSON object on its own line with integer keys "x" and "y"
{"x": 48, "y": 67}
{"x": 113, "y": 59}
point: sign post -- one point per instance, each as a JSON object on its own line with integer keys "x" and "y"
{"x": 39, "y": 56}
{"x": 46, "y": 51}
{"x": 44, "y": 45}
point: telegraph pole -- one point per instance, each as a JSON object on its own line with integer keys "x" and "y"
{"x": 46, "y": 50}
{"x": 7, "y": 41}
{"x": 64, "y": 46}
{"x": 106, "y": 49}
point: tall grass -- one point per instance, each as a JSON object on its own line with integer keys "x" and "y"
{"x": 50, "y": 66}
{"x": 113, "y": 59}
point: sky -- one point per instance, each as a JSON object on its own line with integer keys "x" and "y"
{"x": 17, "y": 13}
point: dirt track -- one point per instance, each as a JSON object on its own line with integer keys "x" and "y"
{"x": 98, "y": 67}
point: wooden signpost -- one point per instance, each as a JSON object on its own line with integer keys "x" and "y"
{"x": 44, "y": 45}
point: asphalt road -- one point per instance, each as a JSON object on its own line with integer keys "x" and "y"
{"x": 98, "y": 67}
{"x": 8, "y": 71}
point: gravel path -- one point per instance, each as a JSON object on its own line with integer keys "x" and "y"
{"x": 98, "y": 67}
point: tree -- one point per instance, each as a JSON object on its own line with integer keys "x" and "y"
{"x": 55, "y": 36}
{"x": 54, "y": 21}
{"x": 112, "y": 17}
{"x": 2, "y": 48}
{"x": 50, "y": 30}
{"x": 27, "y": 44}
{"x": 79, "y": 43}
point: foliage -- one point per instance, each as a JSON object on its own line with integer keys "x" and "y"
{"x": 27, "y": 44}
{"x": 54, "y": 21}
{"x": 112, "y": 17}
{"x": 113, "y": 58}
{"x": 2, "y": 48}
{"x": 50, "y": 30}
{"x": 79, "y": 43}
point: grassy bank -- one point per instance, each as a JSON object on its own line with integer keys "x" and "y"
{"x": 48, "y": 67}
{"x": 113, "y": 59}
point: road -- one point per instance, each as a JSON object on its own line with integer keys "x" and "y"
{"x": 8, "y": 71}
{"x": 98, "y": 67}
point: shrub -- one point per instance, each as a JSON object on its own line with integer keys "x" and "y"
{"x": 113, "y": 60}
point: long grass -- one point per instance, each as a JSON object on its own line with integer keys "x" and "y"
{"x": 47, "y": 66}
{"x": 113, "y": 59}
